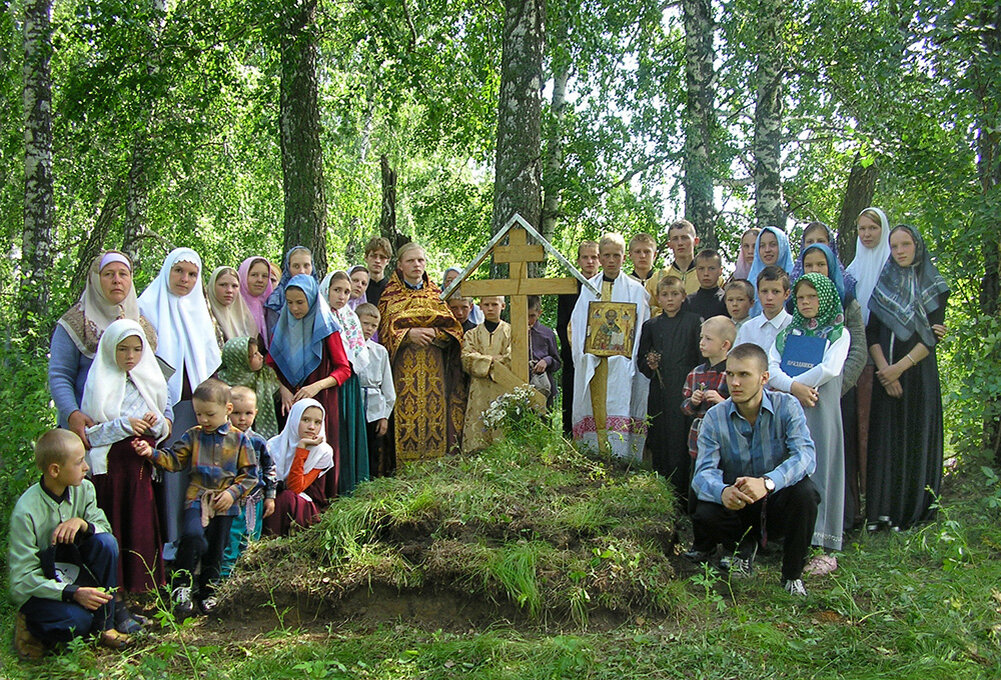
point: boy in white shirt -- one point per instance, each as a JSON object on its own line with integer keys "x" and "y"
{"x": 773, "y": 291}
{"x": 379, "y": 394}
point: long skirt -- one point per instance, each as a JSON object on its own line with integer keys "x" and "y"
{"x": 125, "y": 493}
{"x": 824, "y": 421}
{"x": 353, "y": 437}
{"x": 291, "y": 511}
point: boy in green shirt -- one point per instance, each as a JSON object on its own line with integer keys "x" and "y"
{"x": 63, "y": 557}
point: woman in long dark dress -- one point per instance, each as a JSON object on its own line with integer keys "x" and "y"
{"x": 905, "y": 434}
{"x": 308, "y": 356}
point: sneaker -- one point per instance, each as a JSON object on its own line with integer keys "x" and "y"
{"x": 183, "y": 606}
{"x": 737, "y": 566}
{"x": 27, "y": 646}
{"x": 795, "y": 587}
{"x": 697, "y": 556}
{"x": 208, "y": 604}
{"x": 125, "y": 621}
{"x": 112, "y": 639}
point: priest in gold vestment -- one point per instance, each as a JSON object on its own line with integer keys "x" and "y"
{"x": 424, "y": 342}
{"x": 483, "y": 349}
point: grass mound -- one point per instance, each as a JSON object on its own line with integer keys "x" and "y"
{"x": 529, "y": 523}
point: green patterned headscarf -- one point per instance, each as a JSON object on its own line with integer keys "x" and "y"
{"x": 236, "y": 371}
{"x": 830, "y": 320}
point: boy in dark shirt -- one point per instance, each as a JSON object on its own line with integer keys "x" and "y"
{"x": 669, "y": 349}
{"x": 707, "y": 301}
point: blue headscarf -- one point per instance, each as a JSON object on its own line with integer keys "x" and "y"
{"x": 832, "y": 244}
{"x": 784, "y": 261}
{"x": 277, "y": 298}
{"x": 844, "y": 283}
{"x": 297, "y": 345}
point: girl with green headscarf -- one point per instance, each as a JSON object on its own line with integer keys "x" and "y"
{"x": 807, "y": 360}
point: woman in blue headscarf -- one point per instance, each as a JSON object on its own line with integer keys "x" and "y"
{"x": 298, "y": 260}
{"x": 771, "y": 248}
{"x": 307, "y": 354}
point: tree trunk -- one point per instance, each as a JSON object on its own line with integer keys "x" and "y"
{"x": 767, "y": 145}
{"x": 95, "y": 241}
{"x": 299, "y": 120}
{"x": 858, "y": 197}
{"x": 517, "y": 175}
{"x": 387, "y": 221}
{"x": 137, "y": 185}
{"x": 554, "y": 156}
{"x": 36, "y": 245}
{"x": 699, "y": 119}
{"x": 136, "y": 199}
{"x": 989, "y": 172}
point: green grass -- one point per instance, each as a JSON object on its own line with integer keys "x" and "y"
{"x": 920, "y": 604}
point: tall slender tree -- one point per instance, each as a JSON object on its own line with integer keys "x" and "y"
{"x": 36, "y": 242}
{"x": 518, "y": 168}
{"x": 699, "y": 117}
{"x": 299, "y": 124}
{"x": 768, "y": 109}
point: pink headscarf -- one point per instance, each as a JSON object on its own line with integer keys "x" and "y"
{"x": 255, "y": 304}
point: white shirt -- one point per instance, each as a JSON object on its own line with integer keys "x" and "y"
{"x": 762, "y": 331}
{"x": 376, "y": 380}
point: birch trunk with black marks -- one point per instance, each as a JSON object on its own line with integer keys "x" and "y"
{"x": 36, "y": 242}
{"x": 767, "y": 144}
{"x": 554, "y": 154}
{"x": 517, "y": 173}
{"x": 699, "y": 119}
{"x": 299, "y": 122}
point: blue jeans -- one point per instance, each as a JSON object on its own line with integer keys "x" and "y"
{"x": 58, "y": 621}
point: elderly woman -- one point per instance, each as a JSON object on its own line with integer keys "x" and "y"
{"x": 108, "y": 296}
{"x": 424, "y": 342}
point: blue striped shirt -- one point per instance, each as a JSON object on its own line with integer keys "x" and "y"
{"x": 778, "y": 445}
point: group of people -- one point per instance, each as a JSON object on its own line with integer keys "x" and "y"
{"x": 763, "y": 386}
{"x": 195, "y": 417}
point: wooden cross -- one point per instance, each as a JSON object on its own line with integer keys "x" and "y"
{"x": 518, "y": 286}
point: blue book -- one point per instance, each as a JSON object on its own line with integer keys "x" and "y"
{"x": 801, "y": 353}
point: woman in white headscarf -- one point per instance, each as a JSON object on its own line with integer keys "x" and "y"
{"x": 108, "y": 295}
{"x": 176, "y": 307}
{"x": 229, "y": 309}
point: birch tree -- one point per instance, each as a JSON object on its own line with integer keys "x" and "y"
{"x": 517, "y": 178}
{"x": 36, "y": 242}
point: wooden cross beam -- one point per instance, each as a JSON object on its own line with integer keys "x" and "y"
{"x": 518, "y": 286}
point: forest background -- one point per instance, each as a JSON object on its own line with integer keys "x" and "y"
{"x": 240, "y": 127}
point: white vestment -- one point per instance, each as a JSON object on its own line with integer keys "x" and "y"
{"x": 627, "y": 388}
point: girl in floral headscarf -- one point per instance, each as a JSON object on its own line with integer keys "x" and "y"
{"x": 807, "y": 360}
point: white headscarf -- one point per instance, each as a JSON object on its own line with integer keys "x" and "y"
{"x": 105, "y": 388}
{"x": 282, "y": 448}
{"x": 868, "y": 263}
{"x": 235, "y": 321}
{"x": 185, "y": 333}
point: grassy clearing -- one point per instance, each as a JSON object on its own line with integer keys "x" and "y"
{"x": 921, "y": 604}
